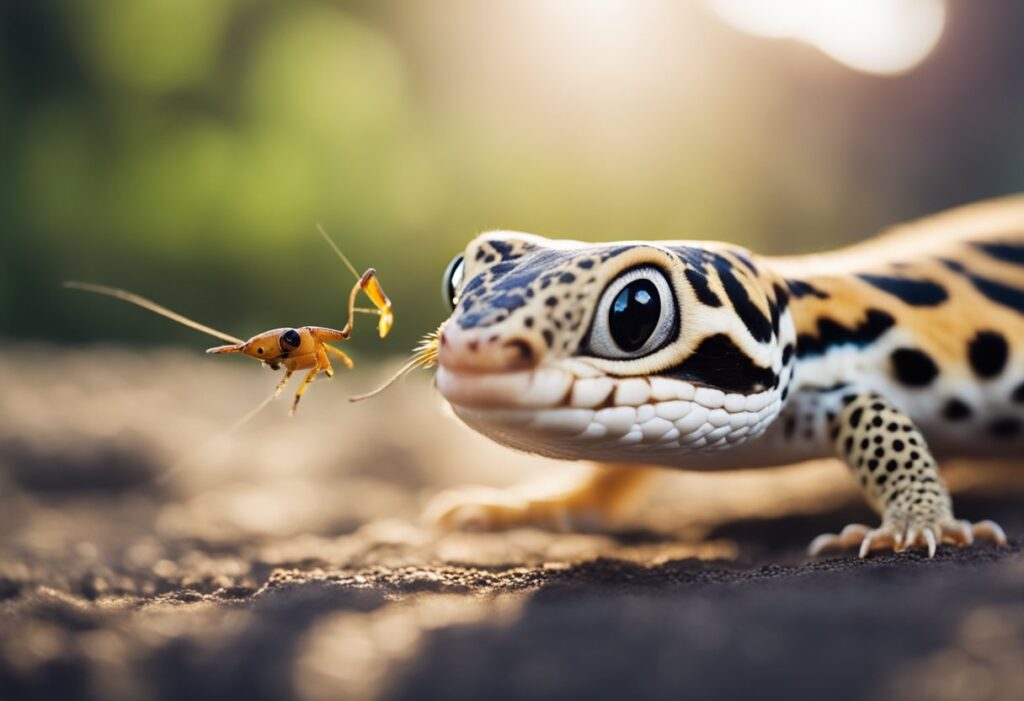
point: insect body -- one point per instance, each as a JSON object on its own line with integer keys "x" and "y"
{"x": 303, "y": 348}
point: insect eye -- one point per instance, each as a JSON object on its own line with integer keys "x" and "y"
{"x": 636, "y": 316}
{"x": 290, "y": 340}
{"x": 452, "y": 281}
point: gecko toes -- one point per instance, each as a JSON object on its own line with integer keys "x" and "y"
{"x": 899, "y": 538}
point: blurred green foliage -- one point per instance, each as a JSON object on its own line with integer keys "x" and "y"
{"x": 185, "y": 149}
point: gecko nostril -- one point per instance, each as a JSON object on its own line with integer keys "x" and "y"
{"x": 473, "y": 345}
{"x": 444, "y": 338}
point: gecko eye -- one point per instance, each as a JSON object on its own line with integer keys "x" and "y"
{"x": 636, "y": 316}
{"x": 290, "y": 340}
{"x": 451, "y": 282}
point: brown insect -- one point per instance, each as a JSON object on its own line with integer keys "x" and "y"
{"x": 302, "y": 348}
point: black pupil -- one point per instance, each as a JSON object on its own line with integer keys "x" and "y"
{"x": 634, "y": 314}
{"x": 291, "y": 338}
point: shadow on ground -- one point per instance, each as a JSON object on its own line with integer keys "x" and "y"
{"x": 146, "y": 557}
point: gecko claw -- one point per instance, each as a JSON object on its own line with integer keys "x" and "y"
{"x": 927, "y": 535}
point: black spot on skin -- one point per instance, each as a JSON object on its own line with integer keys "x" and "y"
{"x": 878, "y": 440}
{"x": 781, "y": 297}
{"x": 835, "y": 432}
{"x": 878, "y": 406}
{"x": 549, "y": 338}
{"x": 752, "y": 317}
{"x": 898, "y": 445}
{"x": 917, "y": 293}
{"x": 585, "y": 264}
{"x": 877, "y": 421}
{"x": 699, "y": 282}
{"x": 864, "y": 444}
{"x": 785, "y": 393}
{"x": 855, "y": 417}
{"x": 988, "y": 352}
{"x": 1006, "y": 252}
{"x": 503, "y": 249}
{"x": 773, "y": 313}
{"x": 528, "y": 322}
{"x": 799, "y": 288}
{"x": 551, "y": 301}
{"x": 891, "y": 466}
{"x": 956, "y": 410}
{"x": 914, "y": 455}
{"x": 745, "y": 259}
{"x": 891, "y": 428}
{"x": 913, "y": 367}
{"x": 881, "y": 479}
{"x": 879, "y": 452}
{"x": 1007, "y": 427}
{"x": 1018, "y": 393}
{"x": 848, "y": 445}
{"x": 489, "y": 258}
{"x": 566, "y": 278}
{"x": 832, "y": 333}
{"x": 787, "y": 355}
{"x": 872, "y": 464}
{"x": 999, "y": 293}
{"x": 719, "y": 362}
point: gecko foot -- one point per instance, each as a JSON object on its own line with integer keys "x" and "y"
{"x": 900, "y": 535}
{"x": 484, "y": 509}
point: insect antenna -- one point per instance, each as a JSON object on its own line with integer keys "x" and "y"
{"x": 344, "y": 258}
{"x": 152, "y": 306}
{"x": 424, "y": 356}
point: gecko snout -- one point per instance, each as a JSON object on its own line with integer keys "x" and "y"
{"x": 484, "y": 350}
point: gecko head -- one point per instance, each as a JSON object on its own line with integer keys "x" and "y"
{"x": 620, "y": 351}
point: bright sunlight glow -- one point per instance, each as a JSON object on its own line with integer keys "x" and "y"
{"x": 874, "y": 36}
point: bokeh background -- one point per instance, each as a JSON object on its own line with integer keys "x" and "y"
{"x": 186, "y": 148}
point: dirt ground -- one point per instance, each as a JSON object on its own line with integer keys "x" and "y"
{"x": 147, "y": 555}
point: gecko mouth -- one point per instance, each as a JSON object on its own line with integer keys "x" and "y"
{"x": 575, "y": 411}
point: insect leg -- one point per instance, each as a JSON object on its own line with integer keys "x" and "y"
{"x": 323, "y": 362}
{"x": 345, "y": 360}
{"x": 370, "y": 283}
{"x": 282, "y": 383}
{"x": 306, "y": 382}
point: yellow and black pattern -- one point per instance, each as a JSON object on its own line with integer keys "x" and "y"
{"x": 703, "y": 355}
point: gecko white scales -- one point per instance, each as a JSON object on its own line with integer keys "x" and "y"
{"x": 702, "y": 355}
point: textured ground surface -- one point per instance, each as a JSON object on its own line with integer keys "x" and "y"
{"x": 143, "y": 557}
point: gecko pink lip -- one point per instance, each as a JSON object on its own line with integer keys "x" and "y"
{"x": 523, "y": 389}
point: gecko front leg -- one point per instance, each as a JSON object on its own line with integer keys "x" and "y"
{"x": 900, "y": 479}
{"x": 598, "y": 501}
